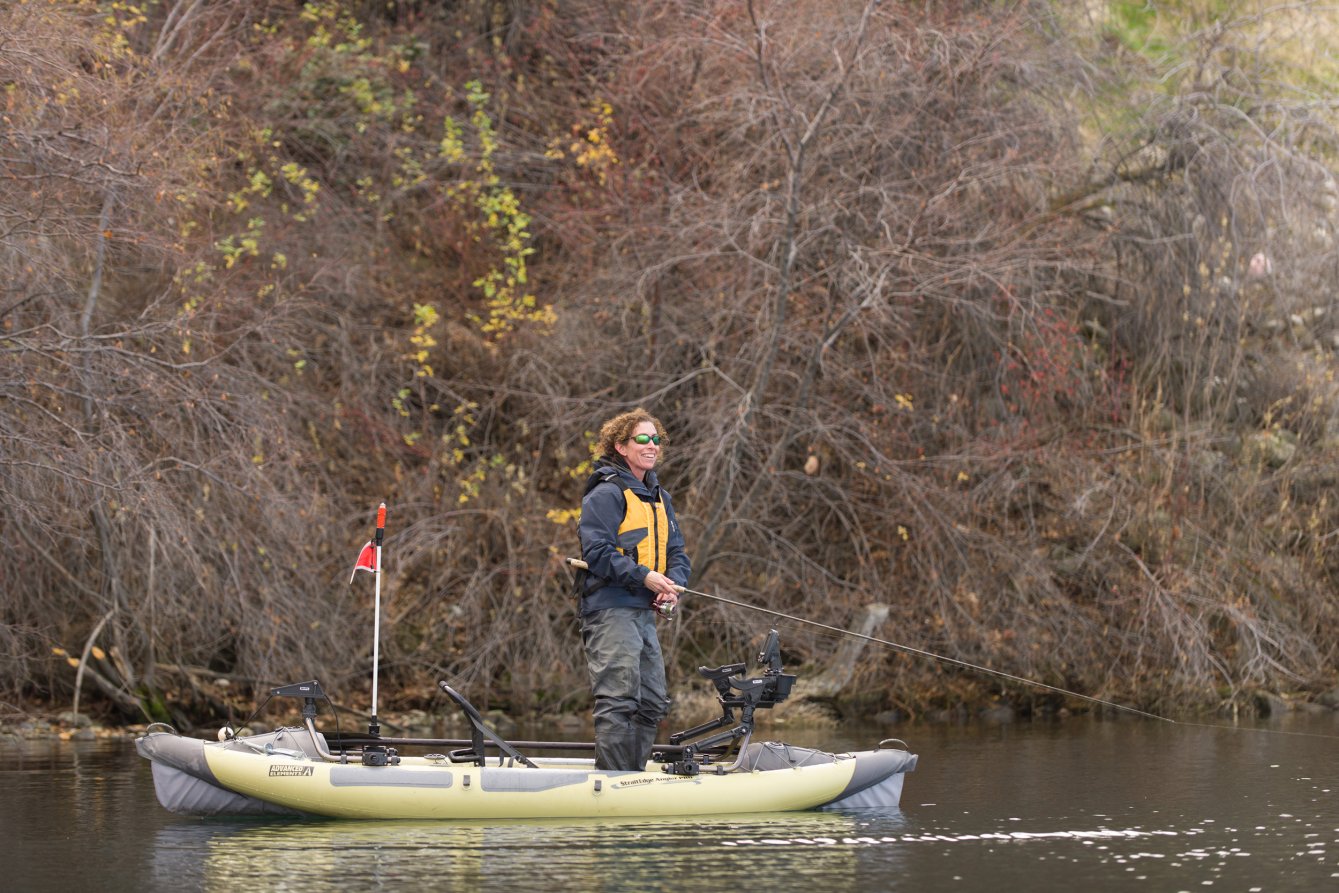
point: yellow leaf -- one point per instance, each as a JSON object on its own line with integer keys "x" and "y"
{"x": 57, "y": 650}
{"x": 99, "y": 653}
{"x": 72, "y": 661}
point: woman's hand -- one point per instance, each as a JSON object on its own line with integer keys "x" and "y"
{"x": 665, "y": 590}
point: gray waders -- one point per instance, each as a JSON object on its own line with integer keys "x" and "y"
{"x": 627, "y": 677}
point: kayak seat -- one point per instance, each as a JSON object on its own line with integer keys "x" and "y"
{"x": 480, "y": 734}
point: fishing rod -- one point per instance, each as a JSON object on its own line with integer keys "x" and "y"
{"x": 908, "y": 649}
{"x": 578, "y": 563}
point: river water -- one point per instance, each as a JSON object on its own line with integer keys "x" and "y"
{"x": 1079, "y": 804}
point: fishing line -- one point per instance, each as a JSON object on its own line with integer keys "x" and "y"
{"x": 980, "y": 669}
{"x": 922, "y": 653}
{"x": 908, "y": 649}
{"x": 987, "y": 670}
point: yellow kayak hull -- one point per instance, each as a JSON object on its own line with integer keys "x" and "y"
{"x": 422, "y": 788}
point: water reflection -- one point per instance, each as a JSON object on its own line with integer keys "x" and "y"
{"x": 808, "y": 849}
{"x": 1083, "y": 805}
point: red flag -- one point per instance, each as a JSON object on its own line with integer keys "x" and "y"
{"x": 367, "y": 561}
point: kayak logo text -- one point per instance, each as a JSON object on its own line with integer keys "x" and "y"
{"x": 289, "y": 770}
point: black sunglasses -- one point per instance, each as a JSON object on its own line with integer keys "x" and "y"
{"x": 644, "y": 439}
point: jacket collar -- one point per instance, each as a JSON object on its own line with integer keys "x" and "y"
{"x": 651, "y": 484}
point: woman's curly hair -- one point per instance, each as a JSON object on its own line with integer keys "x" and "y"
{"x": 621, "y": 426}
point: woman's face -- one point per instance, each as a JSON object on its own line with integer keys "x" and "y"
{"x": 641, "y": 457}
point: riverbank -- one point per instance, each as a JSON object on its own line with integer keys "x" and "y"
{"x": 45, "y": 722}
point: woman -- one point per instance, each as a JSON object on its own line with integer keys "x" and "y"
{"x": 635, "y": 557}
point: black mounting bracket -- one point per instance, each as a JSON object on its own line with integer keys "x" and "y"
{"x": 747, "y": 695}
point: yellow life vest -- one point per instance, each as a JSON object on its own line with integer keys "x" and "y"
{"x": 650, "y": 519}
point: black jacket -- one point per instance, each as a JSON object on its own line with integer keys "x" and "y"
{"x": 614, "y": 538}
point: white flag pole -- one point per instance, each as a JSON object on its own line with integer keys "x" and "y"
{"x": 373, "y": 727}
